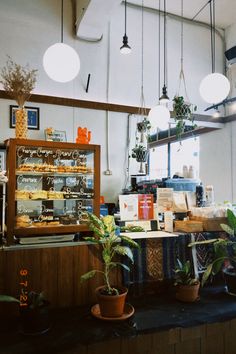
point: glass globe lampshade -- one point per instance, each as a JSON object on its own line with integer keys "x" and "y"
{"x": 214, "y": 88}
{"x": 159, "y": 116}
{"x": 61, "y": 62}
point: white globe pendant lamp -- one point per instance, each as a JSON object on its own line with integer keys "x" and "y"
{"x": 60, "y": 61}
{"x": 159, "y": 116}
{"x": 215, "y": 87}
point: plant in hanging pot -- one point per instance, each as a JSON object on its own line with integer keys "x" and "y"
{"x": 183, "y": 112}
{"x": 34, "y": 317}
{"x": 224, "y": 255}
{"x": 140, "y": 153}
{"x": 144, "y": 126}
{"x": 111, "y": 299}
{"x": 187, "y": 286}
{"x": 18, "y": 82}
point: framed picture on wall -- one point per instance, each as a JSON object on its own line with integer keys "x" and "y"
{"x": 32, "y": 114}
{"x": 55, "y": 135}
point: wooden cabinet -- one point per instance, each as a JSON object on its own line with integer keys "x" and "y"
{"x": 52, "y": 186}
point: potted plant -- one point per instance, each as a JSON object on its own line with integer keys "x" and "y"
{"x": 111, "y": 299}
{"x": 144, "y": 126}
{"x": 224, "y": 255}
{"x": 34, "y": 317}
{"x": 140, "y": 153}
{"x": 187, "y": 286}
{"x": 183, "y": 111}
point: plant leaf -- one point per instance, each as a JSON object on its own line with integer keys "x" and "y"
{"x": 231, "y": 219}
{"x": 206, "y": 274}
{"x": 88, "y": 275}
{"x": 227, "y": 229}
{"x": 7, "y": 298}
{"x": 130, "y": 242}
{"x": 92, "y": 239}
{"x": 124, "y": 251}
{"x": 115, "y": 264}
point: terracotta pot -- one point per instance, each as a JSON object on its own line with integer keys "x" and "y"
{"x": 187, "y": 293}
{"x": 111, "y": 305}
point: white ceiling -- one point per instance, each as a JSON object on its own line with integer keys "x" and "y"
{"x": 225, "y": 9}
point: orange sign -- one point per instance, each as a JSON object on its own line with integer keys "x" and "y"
{"x": 145, "y": 207}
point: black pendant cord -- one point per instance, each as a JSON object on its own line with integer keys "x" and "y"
{"x": 62, "y": 12}
{"x": 164, "y": 42}
{"x": 159, "y": 49}
{"x": 212, "y": 23}
{"x": 125, "y": 16}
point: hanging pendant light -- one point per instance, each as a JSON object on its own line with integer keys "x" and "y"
{"x": 215, "y": 87}
{"x": 60, "y": 61}
{"x": 159, "y": 115}
{"x": 164, "y": 97}
{"x": 125, "y": 48}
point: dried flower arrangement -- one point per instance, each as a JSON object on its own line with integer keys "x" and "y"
{"x": 18, "y": 81}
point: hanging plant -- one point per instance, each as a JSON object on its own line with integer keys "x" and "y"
{"x": 183, "y": 112}
{"x": 140, "y": 153}
{"x": 144, "y": 126}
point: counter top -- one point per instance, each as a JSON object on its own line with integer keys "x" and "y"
{"x": 149, "y": 234}
{"x": 75, "y": 327}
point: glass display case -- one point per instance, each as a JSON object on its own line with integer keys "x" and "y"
{"x": 51, "y": 187}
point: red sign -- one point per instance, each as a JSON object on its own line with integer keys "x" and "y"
{"x": 145, "y": 207}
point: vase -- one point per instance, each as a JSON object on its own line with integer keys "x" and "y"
{"x": 21, "y": 124}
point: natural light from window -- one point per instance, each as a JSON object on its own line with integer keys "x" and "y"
{"x": 186, "y": 153}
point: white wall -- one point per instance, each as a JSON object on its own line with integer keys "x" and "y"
{"x": 28, "y": 27}
{"x": 218, "y": 149}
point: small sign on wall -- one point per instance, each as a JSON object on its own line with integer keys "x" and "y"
{"x": 32, "y": 114}
{"x": 55, "y": 135}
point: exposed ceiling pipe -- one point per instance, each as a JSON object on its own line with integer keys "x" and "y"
{"x": 177, "y": 17}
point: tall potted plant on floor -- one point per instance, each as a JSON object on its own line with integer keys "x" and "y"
{"x": 111, "y": 298}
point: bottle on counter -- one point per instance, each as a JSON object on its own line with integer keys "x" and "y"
{"x": 200, "y": 195}
{"x": 185, "y": 171}
{"x": 191, "y": 172}
{"x": 209, "y": 195}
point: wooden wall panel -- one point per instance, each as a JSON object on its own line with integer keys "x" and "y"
{"x": 65, "y": 268}
{"x": 56, "y": 271}
{"x": 49, "y": 274}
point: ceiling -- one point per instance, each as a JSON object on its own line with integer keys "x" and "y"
{"x": 91, "y": 15}
{"x": 225, "y": 9}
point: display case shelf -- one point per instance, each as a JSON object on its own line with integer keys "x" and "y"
{"x": 56, "y": 174}
{"x": 84, "y": 187}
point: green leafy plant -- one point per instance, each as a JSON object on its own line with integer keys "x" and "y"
{"x": 36, "y": 300}
{"x": 139, "y": 152}
{"x": 224, "y": 249}
{"x": 7, "y": 298}
{"x": 183, "y": 274}
{"x": 183, "y": 111}
{"x": 131, "y": 228}
{"x": 105, "y": 236}
{"x": 144, "y": 126}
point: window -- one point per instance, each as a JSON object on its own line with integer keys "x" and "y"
{"x": 158, "y": 162}
{"x": 185, "y": 154}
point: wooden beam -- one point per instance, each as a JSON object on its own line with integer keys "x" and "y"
{"x": 73, "y": 102}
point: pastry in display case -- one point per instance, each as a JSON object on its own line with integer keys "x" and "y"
{"x": 52, "y": 186}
